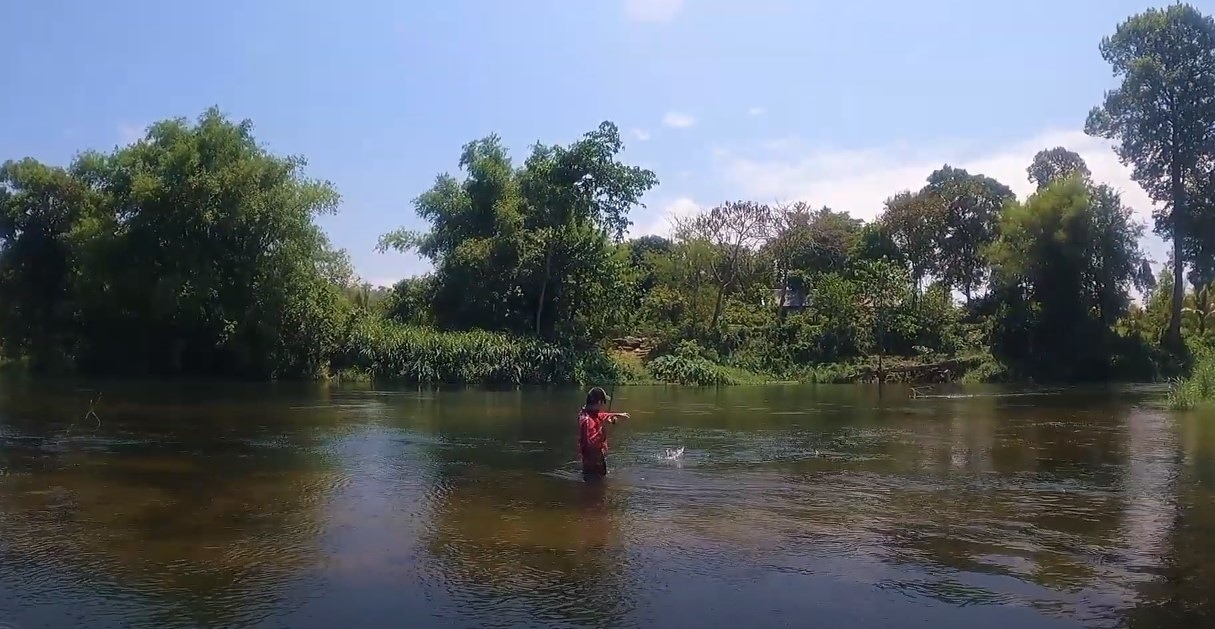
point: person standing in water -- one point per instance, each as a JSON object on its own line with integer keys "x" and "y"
{"x": 592, "y": 433}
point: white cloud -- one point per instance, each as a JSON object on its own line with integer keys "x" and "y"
{"x": 130, "y": 133}
{"x": 756, "y": 111}
{"x": 652, "y": 10}
{"x": 641, "y": 135}
{"x": 384, "y": 281}
{"x": 663, "y": 221}
{"x": 860, "y": 180}
{"x": 781, "y": 145}
{"x": 678, "y": 119}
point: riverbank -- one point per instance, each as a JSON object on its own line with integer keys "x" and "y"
{"x": 1198, "y": 390}
{"x": 377, "y": 351}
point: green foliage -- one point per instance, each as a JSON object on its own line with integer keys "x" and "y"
{"x": 1196, "y": 390}
{"x": 627, "y": 368}
{"x": 391, "y": 351}
{"x": 967, "y": 211}
{"x": 1057, "y": 164}
{"x": 1163, "y": 117}
{"x": 690, "y": 365}
{"x": 531, "y": 250}
{"x": 989, "y": 370}
{"x": 1063, "y": 264}
{"x": 191, "y": 251}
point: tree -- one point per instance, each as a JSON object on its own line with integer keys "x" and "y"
{"x": 1114, "y": 256}
{"x": 968, "y": 208}
{"x": 1115, "y": 260}
{"x": 191, "y": 251}
{"x": 40, "y": 210}
{"x": 1062, "y": 268}
{"x": 832, "y": 235}
{"x": 476, "y": 239}
{"x": 682, "y": 298}
{"x": 1051, "y": 165}
{"x": 641, "y": 248}
{"x": 733, "y": 230}
{"x": 882, "y": 285}
{"x": 1162, "y": 115}
{"x": 915, "y": 223}
{"x": 531, "y": 250}
{"x": 575, "y": 195}
{"x": 1199, "y": 248}
{"x": 876, "y": 243}
{"x": 790, "y": 244}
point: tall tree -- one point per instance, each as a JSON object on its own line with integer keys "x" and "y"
{"x": 969, "y": 210}
{"x": 1199, "y": 245}
{"x": 1114, "y": 252}
{"x": 1162, "y": 115}
{"x": 1062, "y": 267}
{"x": 805, "y": 242}
{"x": 1051, "y": 165}
{"x": 40, "y": 208}
{"x": 734, "y": 230}
{"x": 475, "y": 239}
{"x": 790, "y": 243}
{"x": 1115, "y": 260}
{"x": 882, "y": 286}
{"x": 193, "y": 250}
{"x": 915, "y": 223}
{"x": 530, "y": 250}
{"x": 574, "y": 194}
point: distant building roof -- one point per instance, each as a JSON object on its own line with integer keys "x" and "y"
{"x": 793, "y": 298}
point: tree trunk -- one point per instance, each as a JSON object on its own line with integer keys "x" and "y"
{"x": 723, "y": 283}
{"x": 881, "y": 352}
{"x": 1173, "y": 335}
{"x": 548, "y": 269}
{"x": 784, "y": 291}
{"x": 1201, "y": 299}
{"x": 721, "y": 293}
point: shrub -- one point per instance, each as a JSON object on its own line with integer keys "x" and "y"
{"x": 1198, "y": 389}
{"x": 690, "y": 370}
{"x": 385, "y": 350}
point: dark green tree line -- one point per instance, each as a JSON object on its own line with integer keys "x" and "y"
{"x": 191, "y": 251}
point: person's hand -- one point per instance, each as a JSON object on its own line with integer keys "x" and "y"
{"x": 624, "y": 415}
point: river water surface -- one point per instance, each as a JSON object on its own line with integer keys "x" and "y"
{"x": 796, "y": 506}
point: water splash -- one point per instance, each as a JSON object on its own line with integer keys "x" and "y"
{"x": 673, "y": 454}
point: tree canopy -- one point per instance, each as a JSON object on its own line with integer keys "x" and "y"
{"x": 191, "y": 251}
{"x": 1162, "y": 116}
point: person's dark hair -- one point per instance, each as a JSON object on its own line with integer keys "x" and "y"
{"x": 596, "y": 396}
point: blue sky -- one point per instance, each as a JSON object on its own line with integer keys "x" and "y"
{"x": 774, "y": 100}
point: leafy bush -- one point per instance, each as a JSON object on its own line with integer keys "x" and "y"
{"x": 689, "y": 370}
{"x": 1198, "y": 389}
{"x": 988, "y": 370}
{"x": 393, "y": 351}
{"x": 692, "y": 364}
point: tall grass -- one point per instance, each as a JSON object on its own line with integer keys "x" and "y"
{"x": 1196, "y": 390}
{"x": 689, "y": 370}
{"x": 383, "y": 350}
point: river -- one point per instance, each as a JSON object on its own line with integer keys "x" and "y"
{"x": 793, "y": 506}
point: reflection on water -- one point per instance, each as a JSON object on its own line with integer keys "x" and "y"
{"x": 307, "y": 506}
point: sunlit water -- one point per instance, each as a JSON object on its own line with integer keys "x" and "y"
{"x": 301, "y": 506}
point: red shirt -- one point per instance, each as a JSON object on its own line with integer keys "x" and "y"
{"x": 592, "y": 438}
